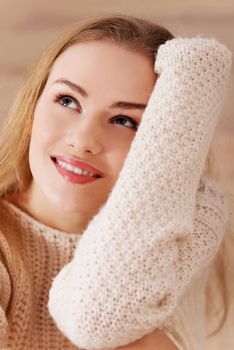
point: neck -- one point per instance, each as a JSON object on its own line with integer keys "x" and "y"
{"x": 70, "y": 222}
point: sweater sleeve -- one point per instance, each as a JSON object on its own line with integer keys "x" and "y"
{"x": 129, "y": 269}
{"x": 5, "y": 292}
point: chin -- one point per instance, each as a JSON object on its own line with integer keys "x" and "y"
{"x": 66, "y": 205}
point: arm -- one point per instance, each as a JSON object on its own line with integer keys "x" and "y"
{"x": 125, "y": 278}
{"x": 210, "y": 215}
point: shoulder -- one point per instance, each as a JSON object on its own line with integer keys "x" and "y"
{"x": 8, "y": 242}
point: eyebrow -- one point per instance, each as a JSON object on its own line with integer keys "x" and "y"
{"x": 118, "y": 104}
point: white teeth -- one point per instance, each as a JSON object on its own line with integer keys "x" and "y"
{"x": 69, "y": 167}
{"x": 75, "y": 170}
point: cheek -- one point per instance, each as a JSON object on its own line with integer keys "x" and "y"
{"x": 46, "y": 129}
{"x": 119, "y": 157}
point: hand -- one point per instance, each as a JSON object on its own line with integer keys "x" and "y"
{"x": 157, "y": 340}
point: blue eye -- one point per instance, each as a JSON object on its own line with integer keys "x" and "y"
{"x": 124, "y": 120}
{"x": 67, "y": 101}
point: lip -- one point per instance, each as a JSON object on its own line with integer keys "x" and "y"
{"x": 74, "y": 178}
{"x": 77, "y": 163}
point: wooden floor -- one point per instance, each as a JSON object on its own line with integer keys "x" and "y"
{"x": 27, "y": 27}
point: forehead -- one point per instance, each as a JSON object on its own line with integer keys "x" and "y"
{"x": 100, "y": 64}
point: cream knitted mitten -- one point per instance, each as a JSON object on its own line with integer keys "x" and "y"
{"x": 160, "y": 225}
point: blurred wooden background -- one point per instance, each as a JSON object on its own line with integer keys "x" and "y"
{"x": 27, "y": 27}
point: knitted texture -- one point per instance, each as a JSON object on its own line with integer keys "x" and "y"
{"x": 32, "y": 254}
{"x": 141, "y": 252}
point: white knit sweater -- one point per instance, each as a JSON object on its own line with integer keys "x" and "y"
{"x": 32, "y": 254}
{"x": 140, "y": 254}
{"x": 143, "y": 261}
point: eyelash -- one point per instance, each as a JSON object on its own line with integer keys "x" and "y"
{"x": 59, "y": 97}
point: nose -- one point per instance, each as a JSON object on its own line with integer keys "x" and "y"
{"x": 85, "y": 136}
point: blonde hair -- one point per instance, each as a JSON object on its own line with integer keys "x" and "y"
{"x": 133, "y": 33}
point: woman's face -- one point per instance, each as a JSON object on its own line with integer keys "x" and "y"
{"x": 88, "y": 111}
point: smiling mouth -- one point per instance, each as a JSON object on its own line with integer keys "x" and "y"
{"x": 74, "y": 174}
{"x": 74, "y": 169}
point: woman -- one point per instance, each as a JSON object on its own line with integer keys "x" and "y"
{"x": 108, "y": 213}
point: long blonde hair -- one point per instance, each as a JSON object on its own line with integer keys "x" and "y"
{"x": 136, "y": 34}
